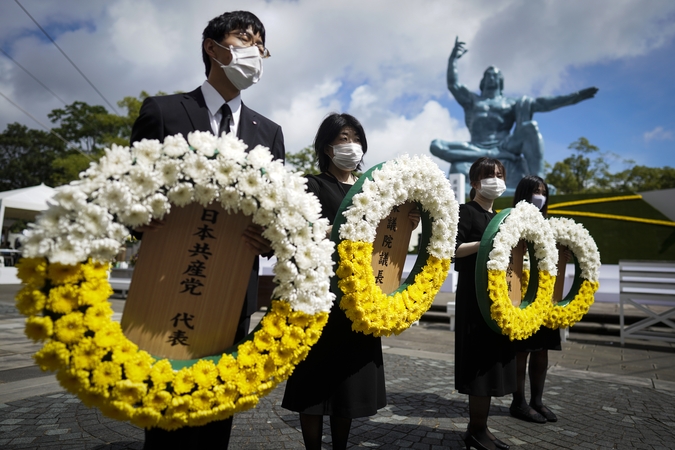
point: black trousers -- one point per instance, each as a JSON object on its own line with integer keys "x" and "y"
{"x": 214, "y": 435}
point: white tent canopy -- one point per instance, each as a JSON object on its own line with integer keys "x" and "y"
{"x": 24, "y": 203}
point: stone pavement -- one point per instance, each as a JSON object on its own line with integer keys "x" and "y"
{"x": 606, "y": 396}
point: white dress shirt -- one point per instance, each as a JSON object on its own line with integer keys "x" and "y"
{"x": 214, "y": 101}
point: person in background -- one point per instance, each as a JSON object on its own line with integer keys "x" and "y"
{"x": 485, "y": 362}
{"x": 534, "y": 190}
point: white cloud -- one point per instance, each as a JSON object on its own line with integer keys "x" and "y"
{"x": 658, "y": 134}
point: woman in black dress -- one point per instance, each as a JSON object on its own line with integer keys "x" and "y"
{"x": 485, "y": 363}
{"x": 343, "y": 375}
{"x": 534, "y": 190}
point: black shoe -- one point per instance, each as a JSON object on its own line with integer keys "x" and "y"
{"x": 527, "y": 414}
{"x": 545, "y": 412}
{"x": 471, "y": 441}
{"x": 500, "y": 444}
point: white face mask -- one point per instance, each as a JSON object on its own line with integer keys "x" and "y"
{"x": 347, "y": 156}
{"x": 538, "y": 200}
{"x": 491, "y": 188}
{"x": 246, "y": 66}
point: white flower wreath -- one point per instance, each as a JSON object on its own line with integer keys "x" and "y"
{"x": 128, "y": 188}
{"x": 416, "y": 179}
{"x": 578, "y": 240}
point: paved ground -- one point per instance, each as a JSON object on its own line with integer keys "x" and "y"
{"x": 605, "y": 395}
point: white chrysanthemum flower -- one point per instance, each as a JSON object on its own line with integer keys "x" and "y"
{"x": 94, "y": 219}
{"x": 142, "y": 181}
{"x": 168, "y": 171}
{"x": 232, "y": 148}
{"x": 263, "y": 217}
{"x": 229, "y": 198}
{"x": 197, "y": 167}
{"x": 114, "y": 196}
{"x": 203, "y": 142}
{"x": 259, "y": 157}
{"x": 159, "y": 205}
{"x": 225, "y": 171}
{"x": 249, "y": 181}
{"x": 274, "y": 233}
{"x": 117, "y": 232}
{"x": 285, "y": 272}
{"x": 205, "y": 193}
{"x": 175, "y": 146}
{"x": 67, "y": 251}
{"x": 248, "y": 206}
{"x": 104, "y": 249}
{"x": 114, "y": 163}
{"x": 70, "y": 197}
{"x": 283, "y": 250}
{"x": 136, "y": 215}
{"x": 181, "y": 194}
{"x": 146, "y": 152}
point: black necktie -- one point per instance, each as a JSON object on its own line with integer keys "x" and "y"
{"x": 226, "y": 115}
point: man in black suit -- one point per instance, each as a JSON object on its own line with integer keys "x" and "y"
{"x": 233, "y": 47}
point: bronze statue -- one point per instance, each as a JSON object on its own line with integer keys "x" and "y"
{"x": 490, "y": 117}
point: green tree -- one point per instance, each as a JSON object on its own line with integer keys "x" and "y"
{"x": 27, "y": 157}
{"x": 580, "y": 173}
{"x": 304, "y": 161}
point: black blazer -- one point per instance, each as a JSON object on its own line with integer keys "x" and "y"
{"x": 182, "y": 113}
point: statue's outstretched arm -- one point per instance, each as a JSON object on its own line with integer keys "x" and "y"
{"x": 544, "y": 104}
{"x": 461, "y": 93}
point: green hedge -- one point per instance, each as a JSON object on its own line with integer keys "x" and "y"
{"x": 618, "y": 239}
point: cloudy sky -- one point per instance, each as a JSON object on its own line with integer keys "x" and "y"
{"x": 382, "y": 60}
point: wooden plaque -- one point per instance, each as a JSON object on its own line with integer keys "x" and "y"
{"x": 515, "y": 272}
{"x": 390, "y": 247}
{"x": 189, "y": 284}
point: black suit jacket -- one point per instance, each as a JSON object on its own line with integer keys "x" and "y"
{"x": 182, "y": 113}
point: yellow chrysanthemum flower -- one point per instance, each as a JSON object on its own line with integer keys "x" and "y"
{"x": 205, "y": 373}
{"x": 64, "y": 273}
{"x": 109, "y": 335}
{"x": 274, "y": 324}
{"x": 174, "y": 421}
{"x": 227, "y": 367}
{"x": 63, "y": 299}
{"x": 70, "y": 328}
{"x": 226, "y": 394}
{"x": 124, "y": 351}
{"x": 247, "y": 380}
{"x": 180, "y": 404}
{"x": 30, "y": 301}
{"x": 95, "y": 270}
{"x": 129, "y": 391}
{"x": 73, "y": 380}
{"x": 86, "y": 354}
{"x": 117, "y": 410}
{"x": 263, "y": 341}
{"x": 199, "y": 418}
{"x": 39, "y": 328}
{"x": 146, "y": 417}
{"x": 157, "y": 399}
{"x": 52, "y": 356}
{"x": 246, "y": 354}
{"x": 184, "y": 381}
{"x": 161, "y": 373}
{"x": 94, "y": 292}
{"x": 202, "y": 399}
{"x": 97, "y": 316}
{"x": 32, "y": 271}
{"x": 94, "y": 397}
{"x": 138, "y": 367}
{"x": 106, "y": 374}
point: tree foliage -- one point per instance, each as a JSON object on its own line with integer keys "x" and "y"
{"x": 587, "y": 171}
{"x": 29, "y": 157}
{"x": 304, "y": 161}
{"x": 26, "y": 157}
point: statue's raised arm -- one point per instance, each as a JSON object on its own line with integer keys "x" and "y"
{"x": 461, "y": 93}
{"x": 545, "y": 104}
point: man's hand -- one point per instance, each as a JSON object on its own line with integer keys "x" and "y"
{"x": 458, "y": 50}
{"x": 588, "y": 93}
{"x": 255, "y": 241}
